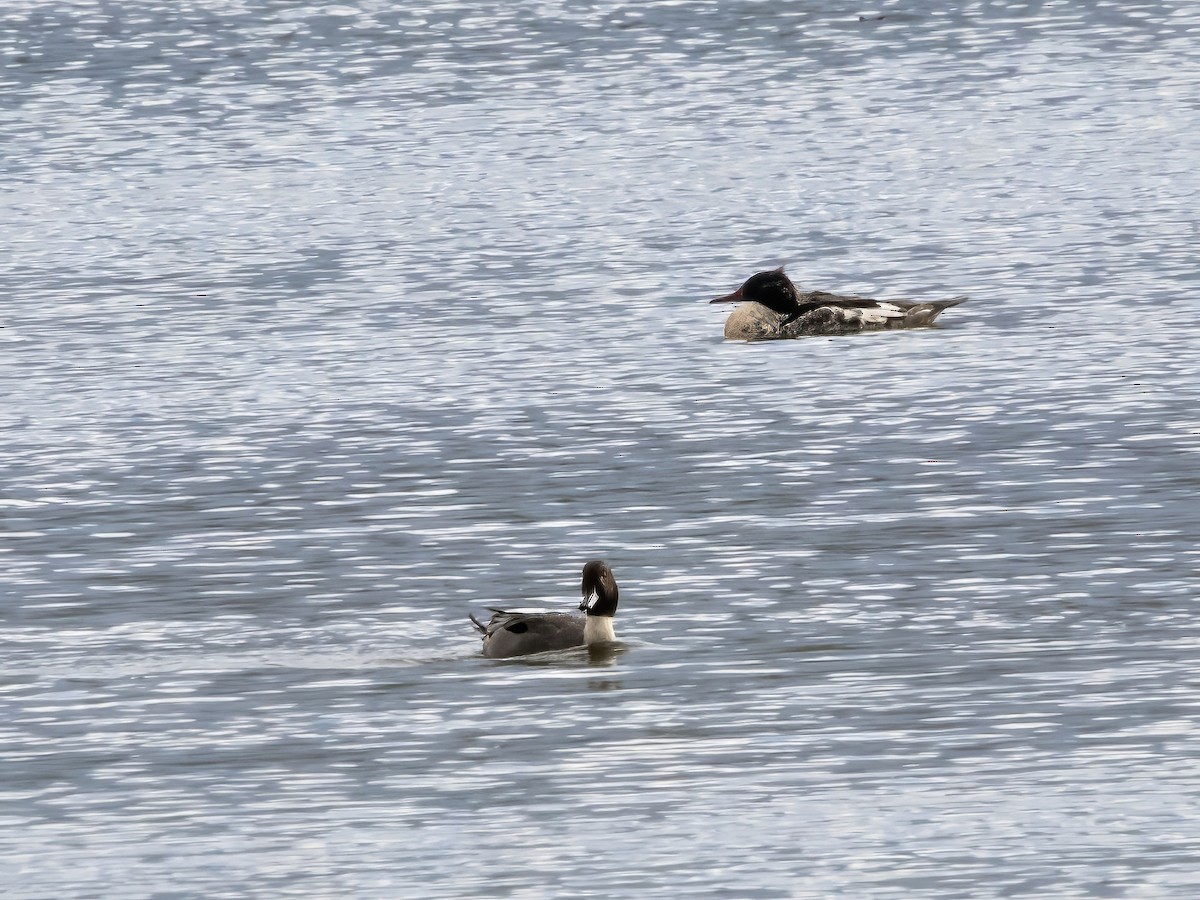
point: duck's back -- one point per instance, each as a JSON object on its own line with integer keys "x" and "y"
{"x": 519, "y": 633}
{"x": 822, "y": 313}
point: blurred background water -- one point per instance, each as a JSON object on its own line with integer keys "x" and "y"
{"x": 325, "y": 324}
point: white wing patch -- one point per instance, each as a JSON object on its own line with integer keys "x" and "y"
{"x": 876, "y": 315}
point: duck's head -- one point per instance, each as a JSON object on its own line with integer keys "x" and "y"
{"x": 599, "y": 589}
{"x": 773, "y": 290}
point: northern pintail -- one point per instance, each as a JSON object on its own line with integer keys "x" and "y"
{"x": 519, "y": 632}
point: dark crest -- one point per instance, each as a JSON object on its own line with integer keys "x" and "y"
{"x": 773, "y": 290}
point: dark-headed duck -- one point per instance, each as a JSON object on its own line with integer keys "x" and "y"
{"x": 772, "y": 307}
{"x": 518, "y": 632}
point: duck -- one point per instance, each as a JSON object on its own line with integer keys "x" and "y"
{"x": 774, "y": 308}
{"x": 521, "y": 632}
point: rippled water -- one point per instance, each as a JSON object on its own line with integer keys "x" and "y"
{"x": 325, "y": 325}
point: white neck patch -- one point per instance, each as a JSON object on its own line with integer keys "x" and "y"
{"x": 598, "y": 630}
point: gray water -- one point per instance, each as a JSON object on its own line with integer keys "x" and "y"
{"x": 323, "y": 326}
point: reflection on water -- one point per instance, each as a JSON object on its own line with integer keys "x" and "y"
{"x": 596, "y": 655}
{"x": 327, "y": 325}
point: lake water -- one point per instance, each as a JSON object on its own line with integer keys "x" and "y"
{"x": 325, "y": 325}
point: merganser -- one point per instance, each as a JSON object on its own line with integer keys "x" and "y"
{"x": 778, "y": 310}
{"x": 519, "y": 632}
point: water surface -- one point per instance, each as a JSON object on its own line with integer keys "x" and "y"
{"x": 325, "y": 325}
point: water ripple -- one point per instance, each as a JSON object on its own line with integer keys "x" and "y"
{"x": 327, "y": 324}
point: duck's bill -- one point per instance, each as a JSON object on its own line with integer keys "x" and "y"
{"x": 735, "y": 297}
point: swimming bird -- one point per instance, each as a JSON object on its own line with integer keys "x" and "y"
{"x": 518, "y": 632}
{"x": 778, "y": 310}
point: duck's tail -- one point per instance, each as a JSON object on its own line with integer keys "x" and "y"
{"x": 478, "y": 624}
{"x": 920, "y": 314}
